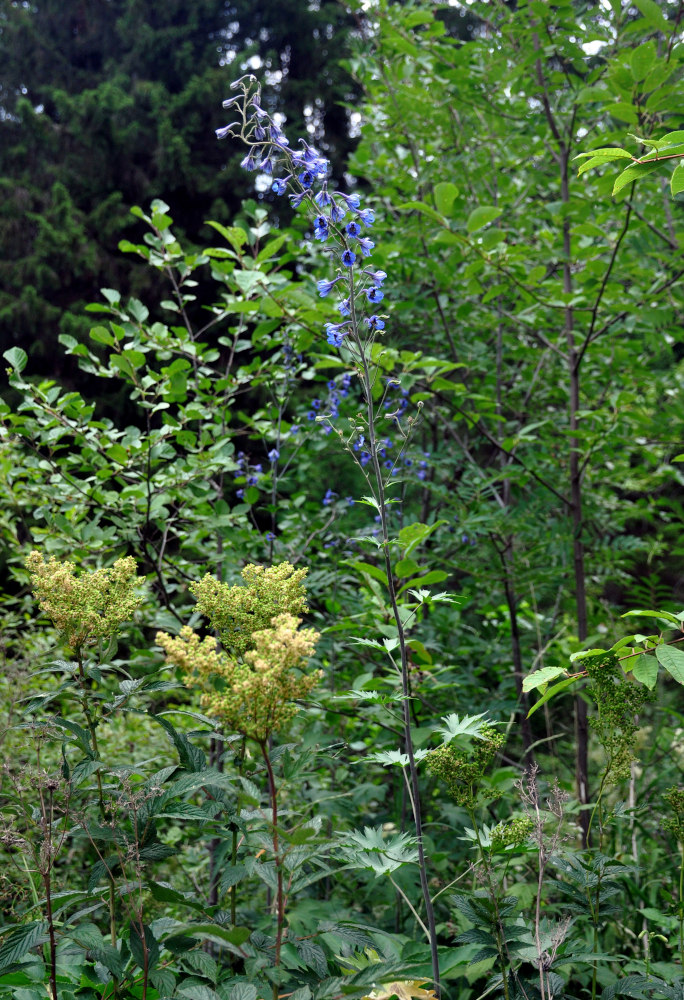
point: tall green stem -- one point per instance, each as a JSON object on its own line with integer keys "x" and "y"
{"x": 403, "y": 649}
{"x": 500, "y": 937}
{"x": 280, "y": 898}
{"x": 681, "y": 907}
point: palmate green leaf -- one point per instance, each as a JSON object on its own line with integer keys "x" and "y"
{"x": 369, "y": 849}
{"x": 389, "y": 757}
{"x": 468, "y": 725}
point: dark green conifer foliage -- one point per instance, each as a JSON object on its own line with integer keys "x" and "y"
{"x": 104, "y": 105}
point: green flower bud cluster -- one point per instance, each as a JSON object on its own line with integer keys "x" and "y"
{"x": 674, "y": 800}
{"x": 89, "y": 607}
{"x": 236, "y": 612}
{"x": 618, "y": 701}
{"x": 252, "y": 684}
{"x": 462, "y": 770}
{"x": 511, "y": 833}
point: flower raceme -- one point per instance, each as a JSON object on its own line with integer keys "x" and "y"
{"x": 303, "y": 174}
{"x": 87, "y": 607}
{"x": 254, "y": 695}
{"x": 252, "y": 683}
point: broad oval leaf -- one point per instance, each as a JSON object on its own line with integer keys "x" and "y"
{"x": 540, "y": 677}
{"x": 16, "y": 357}
{"x": 633, "y": 173}
{"x": 677, "y": 179}
{"x": 673, "y": 661}
{"x": 481, "y": 217}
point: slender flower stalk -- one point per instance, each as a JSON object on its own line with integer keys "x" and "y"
{"x": 340, "y": 223}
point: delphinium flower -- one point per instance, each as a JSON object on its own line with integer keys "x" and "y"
{"x": 338, "y": 220}
{"x": 304, "y": 176}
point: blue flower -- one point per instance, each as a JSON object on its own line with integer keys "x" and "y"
{"x": 389, "y": 463}
{"x": 239, "y": 494}
{"x": 348, "y": 258}
{"x": 256, "y": 105}
{"x": 279, "y": 186}
{"x": 367, "y": 216}
{"x": 337, "y": 213}
{"x": 349, "y": 500}
{"x": 270, "y": 537}
{"x": 376, "y": 276}
{"x": 252, "y": 481}
{"x": 306, "y": 178}
{"x": 266, "y": 165}
{"x": 221, "y": 133}
{"x": 352, "y": 200}
{"x": 325, "y": 286}
{"x": 366, "y": 246}
{"x": 335, "y": 333}
{"x": 323, "y": 198}
{"x": 249, "y": 163}
{"x": 259, "y": 132}
{"x": 343, "y": 307}
{"x": 311, "y": 415}
{"x": 321, "y": 231}
{"x": 329, "y": 497}
{"x": 297, "y": 199}
{"x": 276, "y": 136}
{"x": 273, "y": 455}
{"x": 375, "y": 323}
{"x": 374, "y": 294}
{"x": 315, "y": 404}
{"x": 353, "y": 229}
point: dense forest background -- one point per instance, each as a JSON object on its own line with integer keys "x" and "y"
{"x": 437, "y": 750}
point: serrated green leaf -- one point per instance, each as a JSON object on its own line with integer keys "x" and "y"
{"x": 672, "y": 660}
{"x": 551, "y": 692}
{"x": 19, "y": 942}
{"x": 540, "y": 677}
{"x": 16, "y": 357}
{"x": 645, "y": 670}
{"x": 633, "y": 173}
